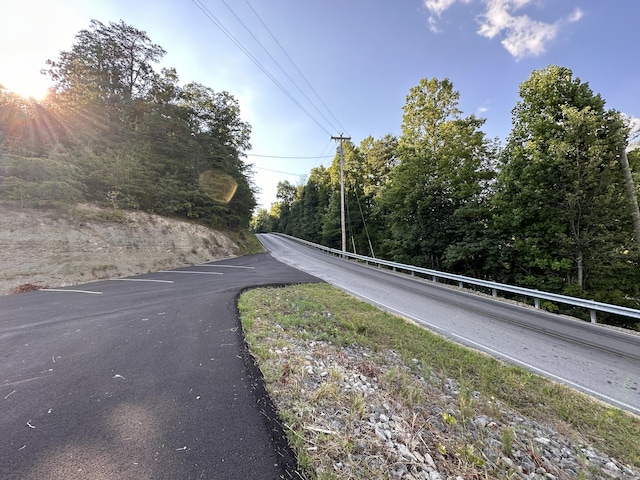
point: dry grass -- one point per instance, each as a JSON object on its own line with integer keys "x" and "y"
{"x": 334, "y": 365}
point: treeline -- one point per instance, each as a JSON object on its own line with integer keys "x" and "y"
{"x": 114, "y": 130}
{"x": 555, "y": 208}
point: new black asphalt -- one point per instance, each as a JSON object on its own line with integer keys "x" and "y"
{"x": 140, "y": 378}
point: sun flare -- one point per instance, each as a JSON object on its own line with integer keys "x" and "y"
{"x": 27, "y": 87}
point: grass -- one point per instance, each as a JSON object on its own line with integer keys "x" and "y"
{"x": 273, "y": 318}
{"x": 246, "y": 241}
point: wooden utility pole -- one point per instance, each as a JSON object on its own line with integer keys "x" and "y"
{"x": 631, "y": 194}
{"x": 341, "y": 138}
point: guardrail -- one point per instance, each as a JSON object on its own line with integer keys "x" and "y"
{"x": 495, "y": 287}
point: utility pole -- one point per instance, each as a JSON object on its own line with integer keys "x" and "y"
{"x": 341, "y": 150}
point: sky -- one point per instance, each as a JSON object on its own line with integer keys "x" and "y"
{"x": 304, "y": 71}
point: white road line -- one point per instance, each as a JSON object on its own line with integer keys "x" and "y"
{"x": 494, "y": 352}
{"x": 64, "y": 290}
{"x": 139, "y": 280}
{"x": 224, "y": 266}
{"x": 191, "y": 271}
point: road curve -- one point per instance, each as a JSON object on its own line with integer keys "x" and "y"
{"x": 138, "y": 378}
{"x": 595, "y": 359}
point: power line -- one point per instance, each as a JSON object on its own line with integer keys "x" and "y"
{"x": 296, "y": 67}
{"x": 287, "y": 158}
{"x": 244, "y": 50}
{"x": 276, "y": 61}
{"x": 279, "y": 171}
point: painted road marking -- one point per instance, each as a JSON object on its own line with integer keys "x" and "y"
{"x": 140, "y": 280}
{"x": 496, "y": 353}
{"x": 224, "y": 266}
{"x": 191, "y": 271}
{"x": 65, "y": 290}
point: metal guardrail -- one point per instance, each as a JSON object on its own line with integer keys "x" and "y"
{"x": 495, "y": 287}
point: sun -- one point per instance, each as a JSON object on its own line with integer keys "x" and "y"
{"x": 27, "y": 86}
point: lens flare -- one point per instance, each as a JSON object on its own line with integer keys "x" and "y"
{"x": 218, "y": 185}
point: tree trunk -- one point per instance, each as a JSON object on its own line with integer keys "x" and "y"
{"x": 580, "y": 265}
{"x": 631, "y": 195}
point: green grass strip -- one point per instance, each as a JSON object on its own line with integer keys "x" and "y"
{"x": 321, "y": 312}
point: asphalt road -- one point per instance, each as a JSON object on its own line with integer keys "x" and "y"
{"x": 139, "y": 378}
{"x": 597, "y": 360}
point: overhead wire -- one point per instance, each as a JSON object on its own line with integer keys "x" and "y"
{"x": 278, "y": 63}
{"x": 251, "y": 57}
{"x": 295, "y": 66}
{"x": 287, "y": 158}
{"x": 279, "y": 171}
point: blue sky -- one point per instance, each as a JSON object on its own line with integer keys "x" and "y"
{"x": 360, "y": 57}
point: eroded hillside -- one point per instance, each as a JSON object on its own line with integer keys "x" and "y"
{"x": 51, "y": 248}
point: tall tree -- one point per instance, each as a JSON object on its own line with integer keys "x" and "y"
{"x": 112, "y": 63}
{"x": 286, "y": 194}
{"x": 103, "y": 82}
{"x": 560, "y": 193}
{"x": 630, "y": 190}
{"x": 134, "y": 137}
{"x": 444, "y": 163}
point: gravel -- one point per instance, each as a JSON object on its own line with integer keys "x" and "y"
{"x": 444, "y": 433}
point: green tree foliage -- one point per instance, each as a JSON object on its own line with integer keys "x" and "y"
{"x": 560, "y": 200}
{"x": 434, "y": 195}
{"x": 548, "y": 210}
{"x": 127, "y": 135}
{"x": 263, "y": 221}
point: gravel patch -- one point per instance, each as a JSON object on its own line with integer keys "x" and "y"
{"x": 365, "y": 414}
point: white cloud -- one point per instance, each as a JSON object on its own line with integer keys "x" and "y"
{"x": 634, "y": 126}
{"x": 575, "y": 16}
{"x": 439, "y": 6}
{"x": 433, "y": 25}
{"x": 522, "y": 35}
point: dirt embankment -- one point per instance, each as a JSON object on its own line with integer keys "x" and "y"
{"x": 50, "y": 248}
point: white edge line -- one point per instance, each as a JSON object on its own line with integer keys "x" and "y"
{"x": 497, "y": 353}
{"x": 190, "y": 271}
{"x": 224, "y": 266}
{"x": 139, "y": 280}
{"x": 65, "y": 290}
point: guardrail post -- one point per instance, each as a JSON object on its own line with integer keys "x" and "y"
{"x": 537, "y": 295}
{"x": 461, "y": 285}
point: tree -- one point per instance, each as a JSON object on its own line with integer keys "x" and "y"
{"x": 560, "y": 192}
{"x": 444, "y": 163}
{"x": 380, "y": 159}
{"x": 110, "y": 63}
{"x": 314, "y": 202}
{"x": 262, "y": 222}
{"x": 286, "y": 194}
{"x": 133, "y": 137}
{"x": 630, "y": 190}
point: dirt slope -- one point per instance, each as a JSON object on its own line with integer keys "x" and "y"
{"x": 50, "y": 248}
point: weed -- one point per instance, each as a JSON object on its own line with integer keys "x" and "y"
{"x": 466, "y": 403}
{"x": 508, "y": 436}
{"x": 103, "y": 271}
{"x": 469, "y": 454}
{"x": 448, "y": 418}
{"x": 320, "y": 313}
